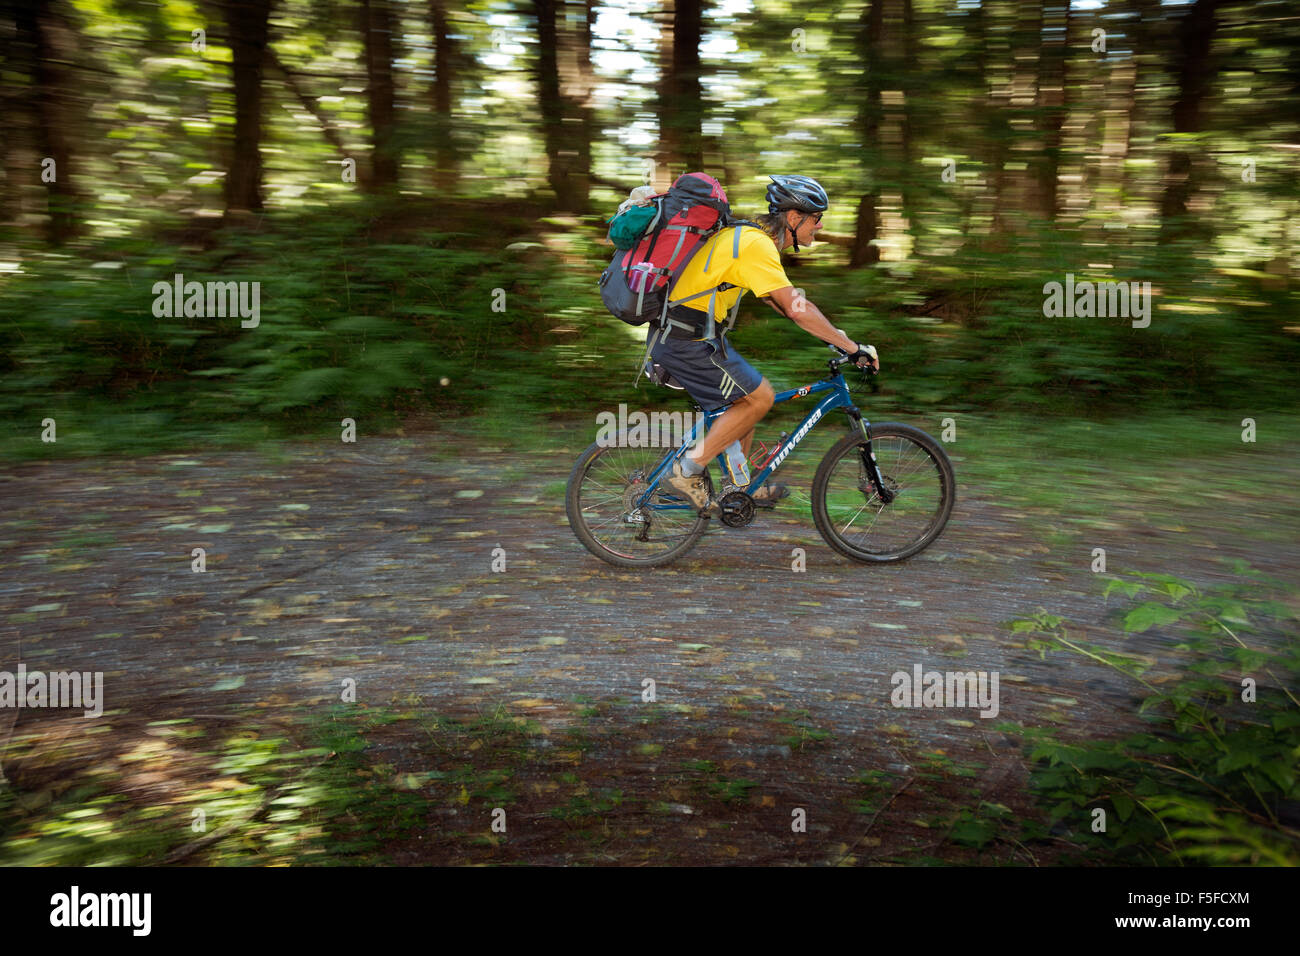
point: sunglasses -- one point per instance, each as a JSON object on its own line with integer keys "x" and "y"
{"x": 816, "y": 218}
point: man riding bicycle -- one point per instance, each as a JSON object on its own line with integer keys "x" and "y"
{"x": 711, "y": 371}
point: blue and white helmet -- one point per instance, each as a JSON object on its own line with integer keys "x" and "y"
{"x": 796, "y": 192}
{"x": 800, "y": 193}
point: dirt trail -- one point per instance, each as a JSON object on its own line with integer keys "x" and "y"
{"x": 375, "y": 565}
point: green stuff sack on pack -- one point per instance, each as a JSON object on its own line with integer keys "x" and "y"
{"x": 627, "y": 227}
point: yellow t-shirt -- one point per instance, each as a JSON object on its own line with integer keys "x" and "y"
{"x": 758, "y": 269}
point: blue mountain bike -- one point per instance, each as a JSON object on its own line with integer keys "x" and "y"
{"x": 883, "y": 492}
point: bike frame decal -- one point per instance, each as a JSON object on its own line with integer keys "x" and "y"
{"x": 839, "y": 397}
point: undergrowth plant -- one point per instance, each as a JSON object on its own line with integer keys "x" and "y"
{"x": 1213, "y": 781}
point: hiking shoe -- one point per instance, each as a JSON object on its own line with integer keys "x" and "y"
{"x": 691, "y": 487}
{"x": 768, "y": 495}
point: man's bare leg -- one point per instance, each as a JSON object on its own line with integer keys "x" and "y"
{"x": 745, "y": 442}
{"x": 737, "y": 423}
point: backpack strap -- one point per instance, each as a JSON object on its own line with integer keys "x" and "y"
{"x": 710, "y": 331}
{"x": 735, "y": 306}
{"x": 659, "y": 332}
{"x": 657, "y": 224}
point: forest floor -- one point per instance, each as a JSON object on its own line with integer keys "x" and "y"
{"x": 370, "y": 567}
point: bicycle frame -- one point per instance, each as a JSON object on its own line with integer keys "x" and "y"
{"x": 838, "y": 397}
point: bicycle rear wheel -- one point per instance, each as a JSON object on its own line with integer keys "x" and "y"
{"x": 600, "y": 499}
{"x": 848, "y": 509}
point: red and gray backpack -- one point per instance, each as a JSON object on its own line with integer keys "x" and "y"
{"x": 637, "y": 285}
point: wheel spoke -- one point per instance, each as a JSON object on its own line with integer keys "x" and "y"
{"x": 611, "y": 482}
{"x": 921, "y": 488}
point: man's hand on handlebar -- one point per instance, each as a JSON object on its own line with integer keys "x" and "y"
{"x": 863, "y": 356}
{"x": 866, "y": 358}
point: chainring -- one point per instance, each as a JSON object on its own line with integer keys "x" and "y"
{"x": 736, "y": 509}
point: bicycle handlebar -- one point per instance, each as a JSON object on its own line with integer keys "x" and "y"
{"x": 844, "y": 359}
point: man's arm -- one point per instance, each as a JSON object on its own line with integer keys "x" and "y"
{"x": 808, "y": 317}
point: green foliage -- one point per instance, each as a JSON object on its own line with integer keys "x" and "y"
{"x": 349, "y": 327}
{"x": 1214, "y": 781}
{"x": 276, "y": 795}
{"x": 370, "y": 304}
{"x": 369, "y": 328}
{"x": 979, "y": 827}
{"x": 269, "y": 803}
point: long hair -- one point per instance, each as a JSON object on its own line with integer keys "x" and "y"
{"x": 774, "y": 224}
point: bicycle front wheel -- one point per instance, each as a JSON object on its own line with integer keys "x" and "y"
{"x": 849, "y": 511}
{"x": 601, "y": 500}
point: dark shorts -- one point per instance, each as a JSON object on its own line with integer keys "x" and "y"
{"x": 710, "y": 379}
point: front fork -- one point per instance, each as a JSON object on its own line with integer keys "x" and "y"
{"x": 857, "y": 423}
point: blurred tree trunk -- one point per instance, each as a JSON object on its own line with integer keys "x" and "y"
{"x": 1017, "y": 197}
{"x": 42, "y": 45}
{"x": 1116, "y": 120}
{"x": 980, "y": 113}
{"x": 445, "y": 54}
{"x": 564, "y": 86}
{"x": 1195, "y": 36}
{"x": 867, "y": 227}
{"x": 16, "y": 81}
{"x": 884, "y": 118}
{"x": 583, "y": 87}
{"x": 247, "y": 26}
{"x": 909, "y": 73}
{"x": 1147, "y": 20}
{"x": 991, "y": 57}
{"x": 998, "y": 59}
{"x": 1054, "y": 99}
{"x": 680, "y": 103}
{"x": 377, "y": 30}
